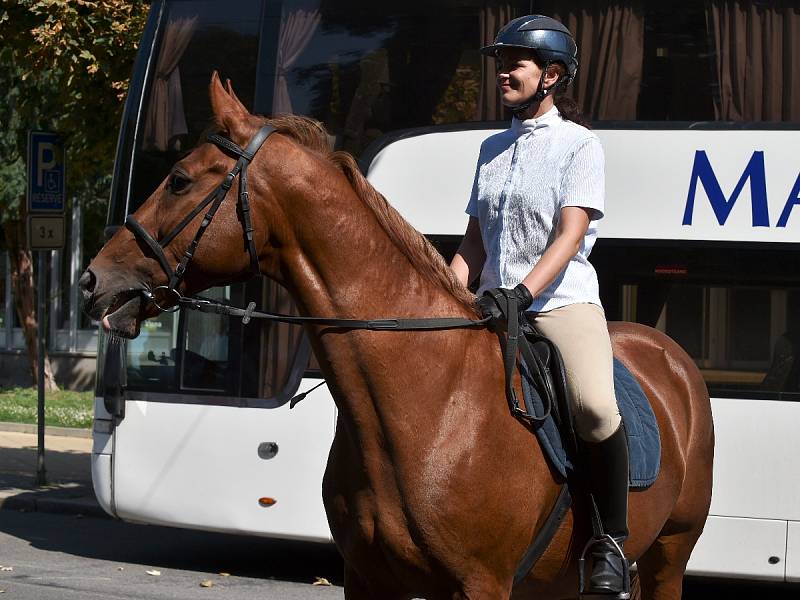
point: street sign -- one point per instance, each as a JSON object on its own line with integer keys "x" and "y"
{"x": 46, "y": 232}
{"x": 46, "y": 174}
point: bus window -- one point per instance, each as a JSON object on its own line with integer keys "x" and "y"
{"x": 213, "y": 358}
{"x": 741, "y": 326}
{"x": 195, "y": 39}
{"x": 206, "y": 347}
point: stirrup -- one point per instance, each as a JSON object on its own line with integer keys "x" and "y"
{"x": 625, "y": 594}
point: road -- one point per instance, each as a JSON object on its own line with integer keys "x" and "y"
{"x": 60, "y": 557}
{"x": 63, "y": 557}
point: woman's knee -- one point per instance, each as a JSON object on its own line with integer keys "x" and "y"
{"x": 595, "y": 422}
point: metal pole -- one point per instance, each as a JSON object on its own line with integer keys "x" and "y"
{"x": 41, "y": 478}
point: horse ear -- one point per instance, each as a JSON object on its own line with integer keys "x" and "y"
{"x": 232, "y": 94}
{"x": 227, "y": 109}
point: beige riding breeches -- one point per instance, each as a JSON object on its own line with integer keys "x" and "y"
{"x": 581, "y": 334}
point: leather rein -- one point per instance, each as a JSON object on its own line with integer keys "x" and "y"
{"x": 213, "y": 201}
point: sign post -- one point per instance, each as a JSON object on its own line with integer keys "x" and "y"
{"x": 46, "y": 200}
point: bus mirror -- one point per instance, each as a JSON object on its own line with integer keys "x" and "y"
{"x": 114, "y": 378}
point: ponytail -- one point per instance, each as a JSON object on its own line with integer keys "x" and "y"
{"x": 570, "y": 111}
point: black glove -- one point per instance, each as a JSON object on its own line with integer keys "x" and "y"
{"x": 524, "y": 297}
{"x": 494, "y": 302}
{"x": 487, "y": 305}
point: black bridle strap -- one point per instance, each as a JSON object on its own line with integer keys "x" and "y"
{"x": 431, "y": 323}
{"x": 215, "y": 199}
{"x": 141, "y": 233}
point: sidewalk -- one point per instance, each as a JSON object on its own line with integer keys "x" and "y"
{"x": 68, "y": 472}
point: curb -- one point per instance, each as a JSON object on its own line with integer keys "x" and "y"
{"x": 75, "y": 432}
{"x": 28, "y": 501}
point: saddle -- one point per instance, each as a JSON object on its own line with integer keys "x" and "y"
{"x": 542, "y": 368}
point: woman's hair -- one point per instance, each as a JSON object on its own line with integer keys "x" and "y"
{"x": 568, "y": 108}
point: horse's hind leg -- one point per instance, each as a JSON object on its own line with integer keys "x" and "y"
{"x": 661, "y": 568}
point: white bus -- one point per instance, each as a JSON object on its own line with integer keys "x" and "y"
{"x": 701, "y": 238}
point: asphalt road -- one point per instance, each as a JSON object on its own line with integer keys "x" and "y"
{"x": 63, "y": 557}
{"x": 60, "y": 557}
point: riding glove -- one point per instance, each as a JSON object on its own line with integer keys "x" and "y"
{"x": 494, "y": 302}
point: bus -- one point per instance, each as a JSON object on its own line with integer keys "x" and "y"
{"x": 701, "y": 239}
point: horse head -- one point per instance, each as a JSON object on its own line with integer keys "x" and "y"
{"x": 136, "y": 270}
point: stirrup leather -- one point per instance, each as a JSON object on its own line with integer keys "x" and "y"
{"x": 625, "y": 593}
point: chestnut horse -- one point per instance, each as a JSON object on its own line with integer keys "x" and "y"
{"x": 432, "y": 488}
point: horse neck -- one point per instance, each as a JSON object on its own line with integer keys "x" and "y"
{"x": 347, "y": 266}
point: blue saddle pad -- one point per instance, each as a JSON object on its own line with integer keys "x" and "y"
{"x": 644, "y": 442}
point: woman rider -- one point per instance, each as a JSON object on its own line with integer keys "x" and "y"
{"x": 537, "y": 197}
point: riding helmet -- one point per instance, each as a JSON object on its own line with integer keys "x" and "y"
{"x": 549, "y": 39}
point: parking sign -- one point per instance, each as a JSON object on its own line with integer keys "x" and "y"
{"x": 46, "y": 174}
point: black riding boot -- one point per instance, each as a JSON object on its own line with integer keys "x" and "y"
{"x": 607, "y": 462}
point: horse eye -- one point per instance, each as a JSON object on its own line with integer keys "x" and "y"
{"x": 178, "y": 183}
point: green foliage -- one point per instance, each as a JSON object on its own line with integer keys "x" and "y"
{"x": 65, "y": 67}
{"x": 62, "y": 408}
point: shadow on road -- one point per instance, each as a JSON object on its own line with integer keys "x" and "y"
{"x": 702, "y": 589}
{"x": 18, "y": 467}
{"x": 169, "y": 548}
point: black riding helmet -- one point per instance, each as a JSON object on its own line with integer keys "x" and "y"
{"x": 548, "y": 39}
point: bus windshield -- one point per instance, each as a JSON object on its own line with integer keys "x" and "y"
{"x": 367, "y": 70}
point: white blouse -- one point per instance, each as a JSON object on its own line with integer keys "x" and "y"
{"x": 525, "y": 176}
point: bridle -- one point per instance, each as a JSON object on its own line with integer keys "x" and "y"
{"x": 215, "y": 199}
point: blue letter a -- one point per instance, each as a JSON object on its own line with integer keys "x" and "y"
{"x": 791, "y": 202}
{"x": 754, "y": 171}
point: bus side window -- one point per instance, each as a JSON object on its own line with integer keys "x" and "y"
{"x": 734, "y": 315}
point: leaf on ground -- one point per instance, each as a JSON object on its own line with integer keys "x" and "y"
{"x": 207, "y": 583}
{"x": 153, "y": 572}
{"x": 321, "y": 581}
{"x": 223, "y": 574}
{"x": 120, "y": 568}
{"x": 6, "y": 568}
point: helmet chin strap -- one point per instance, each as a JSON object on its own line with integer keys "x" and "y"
{"x": 540, "y": 94}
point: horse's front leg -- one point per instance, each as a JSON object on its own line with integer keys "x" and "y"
{"x": 356, "y": 588}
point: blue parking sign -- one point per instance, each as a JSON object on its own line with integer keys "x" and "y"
{"x": 46, "y": 174}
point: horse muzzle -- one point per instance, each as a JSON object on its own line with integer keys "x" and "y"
{"x": 119, "y": 308}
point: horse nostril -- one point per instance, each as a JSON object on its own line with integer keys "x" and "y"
{"x": 87, "y": 283}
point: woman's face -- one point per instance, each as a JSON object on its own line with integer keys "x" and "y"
{"x": 517, "y": 75}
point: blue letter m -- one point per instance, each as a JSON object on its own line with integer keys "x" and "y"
{"x": 754, "y": 171}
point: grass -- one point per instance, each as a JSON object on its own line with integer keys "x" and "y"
{"x": 63, "y": 408}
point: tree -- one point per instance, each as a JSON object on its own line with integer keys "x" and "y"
{"x": 65, "y": 66}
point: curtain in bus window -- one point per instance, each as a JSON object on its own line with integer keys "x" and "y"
{"x": 610, "y": 38}
{"x": 492, "y": 18}
{"x": 281, "y": 340}
{"x": 297, "y": 28}
{"x": 783, "y": 374}
{"x": 166, "y": 120}
{"x": 757, "y": 46}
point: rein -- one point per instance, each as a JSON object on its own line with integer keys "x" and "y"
{"x": 246, "y": 314}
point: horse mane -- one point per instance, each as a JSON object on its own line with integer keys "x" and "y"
{"x": 312, "y": 135}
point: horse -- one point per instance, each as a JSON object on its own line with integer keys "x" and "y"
{"x": 432, "y": 488}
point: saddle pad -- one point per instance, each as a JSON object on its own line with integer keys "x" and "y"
{"x": 644, "y": 442}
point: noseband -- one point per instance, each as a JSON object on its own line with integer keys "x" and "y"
{"x": 215, "y": 199}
